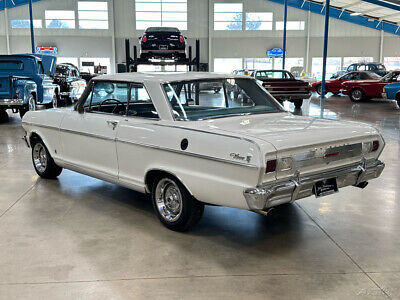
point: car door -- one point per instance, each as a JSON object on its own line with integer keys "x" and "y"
{"x": 88, "y": 138}
{"x": 137, "y": 136}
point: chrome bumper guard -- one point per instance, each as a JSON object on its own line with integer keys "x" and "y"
{"x": 11, "y": 102}
{"x": 265, "y": 196}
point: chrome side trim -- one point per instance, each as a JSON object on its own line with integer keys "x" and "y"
{"x": 41, "y": 126}
{"x": 188, "y": 153}
{"x": 97, "y": 136}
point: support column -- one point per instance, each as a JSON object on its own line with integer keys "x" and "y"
{"x": 6, "y": 27}
{"x": 111, "y": 13}
{"x": 31, "y": 23}
{"x": 284, "y": 33}
{"x": 325, "y": 54}
{"x": 381, "y": 47}
{"x": 307, "y": 67}
{"x": 210, "y": 62}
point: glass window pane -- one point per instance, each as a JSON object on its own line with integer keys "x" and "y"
{"x": 65, "y": 24}
{"x": 93, "y": 15}
{"x": 332, "y": 66}
{"x": 227, "y": 26}
{"x": 174, "y": 16}
{"x": 227, "y": 17}
{"x": 347, "y": 61}
{"x": 290, "y": 25}
{"x": 92, "y": 5}
{"x": 148, "y": 16}
{"x": 19, "y": 23}
{"x": 60, "y": 14}
{"x": 228, "y": 7}
{"x": 174, "y": 7}
{"x": 392, "y": 63}
{"x": 145, "y": 24}
{"x": 70, "y": 60}
{"x": 258, "y": 25}
{"x": 262, "y": 17}
{"x": 179, "y": 25}
{"x": 83, "y": 24}
{"x": 148, "y": 6}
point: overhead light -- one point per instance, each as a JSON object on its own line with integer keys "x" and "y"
{"x": 356, "y": 14}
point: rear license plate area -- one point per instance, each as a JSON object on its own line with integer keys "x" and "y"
{"x": 325, "y": 187}
{"x": 163, "y": 47}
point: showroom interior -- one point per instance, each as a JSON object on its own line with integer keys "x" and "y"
{"x": 79, "y": 236}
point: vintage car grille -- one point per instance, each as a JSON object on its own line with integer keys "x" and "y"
{"x": 319, "y": 156}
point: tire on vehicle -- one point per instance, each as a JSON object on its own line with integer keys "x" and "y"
{"x": 298, "y": 103}
{"x": 42, "y": 161}
{"x": 174, "y": 206}
{"x": 398, "y": 99}
{"x": 357, "y": 95}
{"x": 318, "y": 89}
{"x": 3, "y": 115}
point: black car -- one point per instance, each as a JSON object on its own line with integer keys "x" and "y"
{"x": 71, "y": 84}
{"x": 162, "y": 42}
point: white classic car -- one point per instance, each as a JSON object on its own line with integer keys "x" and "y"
{"x": 162, "y": 134}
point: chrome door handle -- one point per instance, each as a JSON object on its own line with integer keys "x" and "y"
{"x": 112, "y": 123}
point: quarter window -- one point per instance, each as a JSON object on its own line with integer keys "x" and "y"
{"x": 140, "y": 103}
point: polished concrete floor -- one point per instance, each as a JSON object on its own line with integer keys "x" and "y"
{"x": 79, "y": 237}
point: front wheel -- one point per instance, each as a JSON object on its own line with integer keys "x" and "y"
{"x": 42, "y": 161}
{"x": 318, "y": 89}
{"x": 298, "y": 103}
{"x": 173, "y": 204}
{"x": 357, "y": 95}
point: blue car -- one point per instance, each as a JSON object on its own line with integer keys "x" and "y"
{"x": 26, "y": 80}
{"x": 391, "y": 91}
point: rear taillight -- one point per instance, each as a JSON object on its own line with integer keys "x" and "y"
{"x": 375, "y": 146}
{"x": 271, "y": 166}
{"x": 144, "y": 38}
{"x": 15, "y": 96}
{"x": 181, "y": 39}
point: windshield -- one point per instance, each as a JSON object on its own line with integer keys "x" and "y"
{"x": 203, "y": 99}
{"x": 392, "y": 76}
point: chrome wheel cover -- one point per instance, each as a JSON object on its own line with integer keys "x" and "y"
{"x": 32, "y": 103}
{"x": 55, "y": 102}
{"x": 168, "y": 199}
{"x": 319, "y": 90}
{"x": 39, "y": 157}
{"x": 357, "y": 95}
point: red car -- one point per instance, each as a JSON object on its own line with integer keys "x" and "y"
{"x": 359, "y": 90}
{"x": 335, "y": 85}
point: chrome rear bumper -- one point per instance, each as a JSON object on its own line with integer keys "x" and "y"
{"x": 265, "y": 196}
{"x": 11, "y": 102}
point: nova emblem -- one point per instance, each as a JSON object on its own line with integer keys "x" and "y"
{"x": 241, "y": 157}
{"x": 245, "y": 122}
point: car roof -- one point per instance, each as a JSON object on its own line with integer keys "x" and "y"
{"x": 165, "y": 77}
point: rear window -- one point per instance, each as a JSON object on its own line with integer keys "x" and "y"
{"x": 11, "y": 65}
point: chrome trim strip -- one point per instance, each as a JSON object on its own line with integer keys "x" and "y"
{"x": 102, "y": 137}
{"x": 40, "y": 125}
{"x": 188, "y": 153}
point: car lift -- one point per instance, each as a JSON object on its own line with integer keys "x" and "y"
{"x": 131, "y": 64}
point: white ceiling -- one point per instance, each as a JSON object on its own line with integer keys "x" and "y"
{"x": 366, "y": 9}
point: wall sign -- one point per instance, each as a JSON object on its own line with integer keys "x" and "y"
{"x": 47, "y": 50}
{"x": 275, "y": 52}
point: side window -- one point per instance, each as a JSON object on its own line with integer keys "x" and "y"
{"x": 109, "y": 97}
{"x": 140, "y": 104}
{"x": 347, "y": 76}
{"x": 351, "y": 68}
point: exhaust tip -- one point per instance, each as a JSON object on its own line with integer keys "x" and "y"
{"x": 362, "y": 185}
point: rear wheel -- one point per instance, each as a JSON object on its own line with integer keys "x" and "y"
{"x": 173, "y": 204}
{"x": 357, "y": 95}
{"x": 318, "y": 89}
{"x": 298, "y": 103}
{"x": 43, "y": 162}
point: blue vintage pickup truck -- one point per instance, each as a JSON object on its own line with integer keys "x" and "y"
{"x": 391, "y": 91}
{"x": 26, "y": 82}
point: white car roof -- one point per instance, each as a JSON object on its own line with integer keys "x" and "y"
{"x": 164, "y": 77}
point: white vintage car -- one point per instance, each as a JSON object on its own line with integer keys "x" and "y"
{"x": 162, "y": 134}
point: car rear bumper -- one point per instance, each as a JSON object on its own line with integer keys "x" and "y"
{"x": 164, "y": 51}
{"x": 11, "y": 102}
{"x": 262, "y": 197}
{"x": 291, "y": 96}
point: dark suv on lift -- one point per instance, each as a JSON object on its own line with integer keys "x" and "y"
{"x": 163, "y": 42}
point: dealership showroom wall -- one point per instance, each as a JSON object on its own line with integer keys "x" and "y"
{"x": 291, "y": 192}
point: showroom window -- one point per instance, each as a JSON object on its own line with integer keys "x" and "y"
{"x": 259, "y": 21}
{"x": 257, "y": 63}
{"x": 228, "y": 16}
{"x": 23, "y": 23}
{"x": 392, "y": 63}
{"x": 93, "y": 15}
{"x": 227, "y": 65}
{"x": 60, "y": 19}
{"x": 98, "y": 65}
{"x": 68, "y": 60}
{"x": 347, "y": 61}
{"x": 169, "y": 13}
{"x": 292, "y": 64}
{"x": 333, "y": 64}
{"x": 291, "y": 25}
